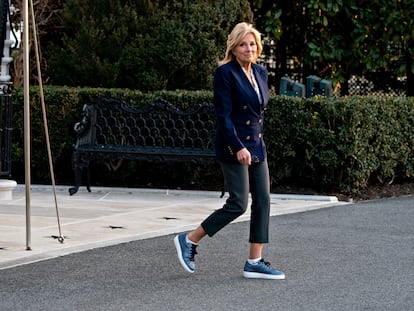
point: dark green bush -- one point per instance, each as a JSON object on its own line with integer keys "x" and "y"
{"x": 145, "y": 45}
{"x": 341, "y": 143}
{"x": 336, "y": 144}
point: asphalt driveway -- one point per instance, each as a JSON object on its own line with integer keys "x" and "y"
{"x": 349, "y": 257}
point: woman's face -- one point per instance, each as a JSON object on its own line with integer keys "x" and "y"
{"x": 246, "y": 51}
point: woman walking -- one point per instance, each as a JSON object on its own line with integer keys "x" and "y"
{"x": 240, "y": 99}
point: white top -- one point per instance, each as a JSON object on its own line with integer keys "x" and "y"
{"x": 255, "y": 85}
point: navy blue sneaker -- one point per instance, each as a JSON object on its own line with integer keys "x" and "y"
{"x": 262, "y": 270}
{"x": 185, "y": 252}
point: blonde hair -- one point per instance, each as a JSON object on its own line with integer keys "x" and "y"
{"x": 236, "y": 36}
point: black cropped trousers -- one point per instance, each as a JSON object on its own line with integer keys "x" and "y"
{"x": 240, "y": 180}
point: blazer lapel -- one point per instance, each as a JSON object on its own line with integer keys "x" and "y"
{"x": 244, "y": 81}
{"x": 263, "y": 87}
{"x": 249, "y": 90}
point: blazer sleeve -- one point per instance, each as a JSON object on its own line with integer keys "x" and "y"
{"x": 223, "y": 104}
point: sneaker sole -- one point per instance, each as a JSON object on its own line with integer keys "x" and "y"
{"x": 257, "y": 275}
{"x": 180, "y": 256}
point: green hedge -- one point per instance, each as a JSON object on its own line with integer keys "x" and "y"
{"x": 336, "y": 144}
{"x": 342, "y": 143}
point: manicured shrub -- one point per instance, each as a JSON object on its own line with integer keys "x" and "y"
{"x": 336, "y": 144}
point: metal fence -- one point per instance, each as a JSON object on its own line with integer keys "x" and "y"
{"x": 5, "y": 134}
{"x": 380, "y": 83}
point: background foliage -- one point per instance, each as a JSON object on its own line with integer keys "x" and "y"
{"x": 125, "y": 48}
{"x": 344, "y": 143}
{"x": 340, "y": 144}
{"x": 173, "y": 44}
{"x": 336, "y": 39}
{"x": 144, "y": 45}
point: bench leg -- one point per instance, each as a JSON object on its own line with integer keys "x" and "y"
{"x": 223, "y": 189}
{"x": 88, "y": 179}
{"x": 77, "y": 172}
{"x": 77, "y": 166}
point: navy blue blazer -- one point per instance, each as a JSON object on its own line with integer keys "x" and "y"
{"x": 239, "y": 112}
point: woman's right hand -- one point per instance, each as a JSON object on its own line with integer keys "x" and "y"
{"x": 244, "y": 156}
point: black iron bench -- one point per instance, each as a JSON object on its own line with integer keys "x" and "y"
{"x": 112, "y": 130}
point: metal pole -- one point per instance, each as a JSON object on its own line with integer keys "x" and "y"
{"x": 42, "y": 100}
{"x": 26, "y": 86}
